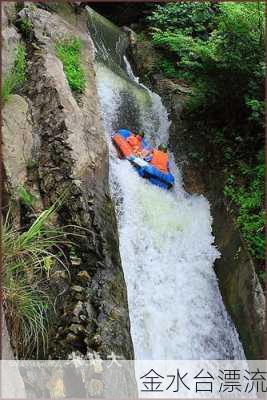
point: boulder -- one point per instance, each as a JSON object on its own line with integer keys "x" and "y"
{"x": 10, "y": 37}
{"x": 17, "y": 139}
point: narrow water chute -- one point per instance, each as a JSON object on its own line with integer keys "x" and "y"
{"x": 166, "y": 241}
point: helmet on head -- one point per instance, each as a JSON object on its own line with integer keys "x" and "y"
{"x": 142, "y": 134}
{"x": 135, "y": 131}
{"x": 163, "y": 147}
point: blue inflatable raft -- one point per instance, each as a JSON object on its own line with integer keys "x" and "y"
{"x": 144, "y": 168}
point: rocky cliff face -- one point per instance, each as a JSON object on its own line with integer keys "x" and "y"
{"x": 238, "y": 281}
{"x": 240, "y": 287}
{"x": 63, "y": 139}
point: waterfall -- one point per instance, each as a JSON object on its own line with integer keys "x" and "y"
{"x": 166, "y": 242}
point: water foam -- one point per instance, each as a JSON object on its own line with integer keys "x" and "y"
{"x": 166, "y": 243}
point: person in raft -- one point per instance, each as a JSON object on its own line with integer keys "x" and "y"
{"x": 159, "y": 158}
{"x": 135, "y": 141}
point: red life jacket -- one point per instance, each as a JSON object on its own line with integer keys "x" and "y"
{"x": 160, "y": 160}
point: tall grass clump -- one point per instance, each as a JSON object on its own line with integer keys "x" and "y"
{"x": 16, "y": 77}
{"x": 28, "y": 258}
{"x": 69, "y": 52}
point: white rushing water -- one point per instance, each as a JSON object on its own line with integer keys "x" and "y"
{"x": 166, "y": 242}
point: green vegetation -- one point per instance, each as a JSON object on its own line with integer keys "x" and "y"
{"x": 28, "y": 258}
{"x": 246, "y": 189}
{"x": 16, "y": 77}
{"x": 25, "y": 196}
{"x": 195, "y": 19}
{"x": 225, "y": 58}
{"x": 218, "y": 49}
{"x": 69, "y": 52}
{"x": 26, "y": 26}
{"x": 32, "y": 164}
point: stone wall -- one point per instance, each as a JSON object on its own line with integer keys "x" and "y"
{"x": 63, "y": 136}
{"x": 239, "y": 284}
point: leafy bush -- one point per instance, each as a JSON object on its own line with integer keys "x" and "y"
{"x": 25, "y": 196}
{"x": 69, "y": 52}
{"x": 177, "y": 42}
{"x": 26, "y": 26}
{"x": 229, "y": 62}
{"x": 16, "y": 77}
{"x": 168, "y": 68}
{"x": 257, "y": 109}
{"x": 196, "y": 18}
{"x": 31, "y": 164}
{"x": 26, "y": 256}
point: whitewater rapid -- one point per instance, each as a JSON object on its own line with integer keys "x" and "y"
{"x": 166, "y": 242}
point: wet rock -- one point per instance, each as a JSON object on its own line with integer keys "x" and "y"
{"x": 83, "y": 317}
{"x": 71, "y": 338}
{"x": 78, "y": 309}
{"x": 75, "y": 261}
{"x": 80, "y": 296}
{"x": 83, "y": 276}
{"x": 77, "y": 289}
{"x": 77, "y": 328}
{"x": 60, "y": 330}
{"x": 58, "y": 275}
{"x": 75, "y": 320}
{"x": 90, "y": 310}
{"x": 131, "y": 35}
{"x": 97, "y": 340}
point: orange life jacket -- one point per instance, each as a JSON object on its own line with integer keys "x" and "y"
{"x": 123, "y": 146}
{"x": 160, "y": 160}
{"x": 135, "y": 143}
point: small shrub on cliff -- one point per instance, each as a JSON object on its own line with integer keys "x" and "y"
{"x": 26, "y": 26}
{"x": 20, "y": 65}
{"x": 27, "y": 258}
{"x": 25, "y": 196}
{"x": 8, "y": 87}
{"x": 69, "y": 52}
{"x": 16, "y": 77}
